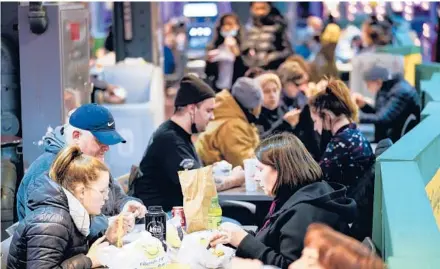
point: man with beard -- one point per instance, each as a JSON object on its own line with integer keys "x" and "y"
{"x": 171, "y": 148}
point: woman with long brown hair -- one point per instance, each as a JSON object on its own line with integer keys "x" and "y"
{"x": 224, "y": 63}
{"x": 54, "y": 233}
{"x": 288, "y": 173}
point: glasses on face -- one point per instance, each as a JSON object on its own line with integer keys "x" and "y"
{"x": 104, "y": 193}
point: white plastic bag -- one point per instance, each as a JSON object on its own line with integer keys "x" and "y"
{"x": 175, "y": 235}
{"x": 193, "y": 252}
{"x": 146, "y": 252}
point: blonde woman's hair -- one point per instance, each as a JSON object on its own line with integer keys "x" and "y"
{"x": 71, "y": 167}
{"x": 267, "y": 77}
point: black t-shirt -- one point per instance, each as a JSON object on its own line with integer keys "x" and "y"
{"x": 170, "y": 150}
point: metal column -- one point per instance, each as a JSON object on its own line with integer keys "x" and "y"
{"x": 54, "y": 69}
{"x": 138, "y": 31}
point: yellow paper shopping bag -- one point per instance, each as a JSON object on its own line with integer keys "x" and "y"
{"x": 198, "y": 188}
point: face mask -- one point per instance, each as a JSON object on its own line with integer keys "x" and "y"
{"x": 193, "y": 124}
{"x": 232, "y": 33}
{"x": 325, "y": 138}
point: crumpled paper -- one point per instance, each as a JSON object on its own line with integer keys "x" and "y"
{"x": 193, "y": 252}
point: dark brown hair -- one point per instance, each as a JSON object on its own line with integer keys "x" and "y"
{"x": 289, "y": 157}
{"x": 254, "y": 72}
{"x": 335, "y": 98}
{"x": 218, "y": 39}
{"x": 338, "y": 251}
{"x": 378, "y": 32}
{"x": 72, "y": 167}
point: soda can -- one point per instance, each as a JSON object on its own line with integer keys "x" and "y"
{"x": 178, "y": 211}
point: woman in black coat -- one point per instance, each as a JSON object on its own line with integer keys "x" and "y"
{"x": 289, "y": 174}
{"x": 267, "y": 43}
{"x": 224, "y": 63}
{"x": 54, "y": 233}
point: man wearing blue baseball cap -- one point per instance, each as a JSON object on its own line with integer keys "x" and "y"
{"x": 99, "y": 124}
{"x": 93, "y": 129}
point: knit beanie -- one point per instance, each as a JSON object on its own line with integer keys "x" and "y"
{"x": 376, "y": 72}
{"x": 247, "y": 92}
{"x": 192, "y": 91}
{"x": 331, "y": 34}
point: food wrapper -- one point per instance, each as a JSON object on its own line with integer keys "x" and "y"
{"x": 175, "y": 235}
{"x": 194, "y": 252}
{"x": 146, "y": 252}
{"x": 221, "y": 169}
{"x": 198, "y": 188}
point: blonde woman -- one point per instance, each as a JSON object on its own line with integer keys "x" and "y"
{"x": 54, "y": 233}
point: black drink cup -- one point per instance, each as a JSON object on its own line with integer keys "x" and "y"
{"x": 156, "y": 222}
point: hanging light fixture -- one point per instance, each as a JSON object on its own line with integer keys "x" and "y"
{"x": 397, "y": 6}
{"x": 426, "y": 30}
{"x": 350, "y": 17}
{"x": 408, "y": 17}
{"x": 368, "y": 9}
{"x": 352, "y": 9}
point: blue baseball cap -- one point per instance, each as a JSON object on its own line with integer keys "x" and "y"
{"x": 99, "y": 121}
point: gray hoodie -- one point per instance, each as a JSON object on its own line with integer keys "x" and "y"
{"x": 53, "y": 142}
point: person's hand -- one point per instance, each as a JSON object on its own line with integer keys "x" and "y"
{"x": 292, "y": 117}
{"x": 231, "y": 43}
{"x": 229, "y": 233}
{"x": 312, "y": 88}
{"x": 223, "y": 164}
{"x": 112, "y": 232}
{"x": 225, "y": 182}
{"x": 239, "y": 263}
{"x": 94, "y": 249}
{"x": 322, "y": 84}
{"x": 111, "y": 97}
{"x": 212, "y": 54}
{"x": 136, "y": 208}
{"x": 238, "y": 173}
{"x": 359, "y": 99}
{"x": 237, "y": 176}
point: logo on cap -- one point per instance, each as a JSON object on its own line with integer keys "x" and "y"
{"x": 99, "y": 121}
